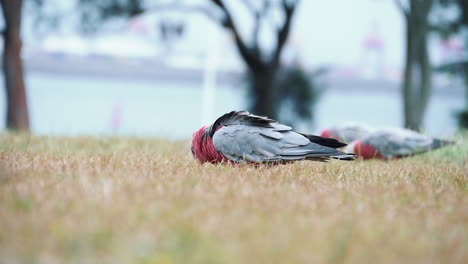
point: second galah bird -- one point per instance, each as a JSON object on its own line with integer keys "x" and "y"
{"x": 241, "y": 137}
{"x": 347, "y": 132}
{"x": 394, "y": 143}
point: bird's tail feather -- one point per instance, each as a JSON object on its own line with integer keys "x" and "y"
{"x": 326, "y": 142}
{"x": 346, "y": 156}
{"x": 320, "y": 156}
{"x": 439, "y": 143}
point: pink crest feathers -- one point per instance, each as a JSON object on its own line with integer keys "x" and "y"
{"x": 203, "y": 148}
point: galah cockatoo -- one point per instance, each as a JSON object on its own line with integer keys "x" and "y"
{"x": 347, "y": 132}
{"x": 391, "y": 143}
{"x": 240, "y": 137}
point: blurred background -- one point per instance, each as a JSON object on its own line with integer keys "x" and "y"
{"x": 162, "y": 68}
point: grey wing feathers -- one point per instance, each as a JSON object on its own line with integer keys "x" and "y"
{"x": 398, "y": 142}
{"x": 246, "y": 118}
{"x": 270, "y": 144}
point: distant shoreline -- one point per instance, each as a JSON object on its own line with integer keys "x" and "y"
{"x": 148, "y": 70}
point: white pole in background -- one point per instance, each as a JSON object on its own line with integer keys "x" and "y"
{"x": 209, "y": 75}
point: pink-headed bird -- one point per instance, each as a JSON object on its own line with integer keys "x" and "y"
{"x": 388, "y": 143}
{"x": 241, "y": 137}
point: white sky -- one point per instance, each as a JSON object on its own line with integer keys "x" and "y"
{"x": 332, "y": 31}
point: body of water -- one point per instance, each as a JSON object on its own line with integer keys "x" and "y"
{"x": 78, "y": 105}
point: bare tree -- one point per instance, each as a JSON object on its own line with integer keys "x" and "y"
{"x": 17, "y": 107}
{"x": 262, "y": 68}
{"x": 417, "y": 80}
{"x": 262, "y": 64}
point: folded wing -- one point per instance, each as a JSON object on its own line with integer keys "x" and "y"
{"x": 398, "y": 142}
{"x": 270, "y": 144}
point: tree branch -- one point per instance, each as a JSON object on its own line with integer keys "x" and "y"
{"x": 427, "y": 7}
{"x": 402, "y": 8}
{"x": 251, "y": 7}
{"x": 225, "y": 19}
{"x": 283, "y": 32}
{"x": 257, "y": 14}
{"x": 252, "y": 60}
{"x": 261, "y": 12}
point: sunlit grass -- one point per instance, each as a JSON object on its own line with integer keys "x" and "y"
{"x": 125, "y": 200}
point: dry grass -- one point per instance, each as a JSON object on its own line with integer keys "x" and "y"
{"x": 114, "y": 200}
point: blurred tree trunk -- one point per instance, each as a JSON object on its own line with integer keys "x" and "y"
{"x": 426, "y": 80}
{"x": 17, "y": 108}
{"x": 417, "y": 80}
{"x": 463, "y": 114}
{"x": 407, "y": 79}
{"x": 465, "y": 74}
{"x": 264, "y": 92}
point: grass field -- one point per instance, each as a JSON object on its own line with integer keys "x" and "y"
{"x": 124, "y": 200}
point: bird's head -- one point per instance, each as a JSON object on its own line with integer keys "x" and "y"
{"x": 198, "y": 141}
{"x": 203, "y": 148}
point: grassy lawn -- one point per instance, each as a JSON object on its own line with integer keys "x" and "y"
{"x": 125, "y": 200}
